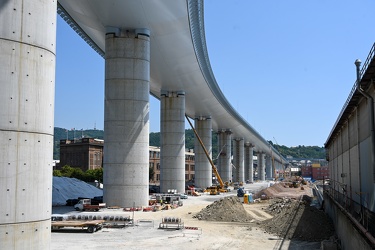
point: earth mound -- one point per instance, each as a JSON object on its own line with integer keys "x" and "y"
{"x": 296, "y": 219}
{"x": 228, "y": 209}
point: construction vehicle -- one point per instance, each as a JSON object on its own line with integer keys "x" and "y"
{"x": 213, "y": 190}
{"x": 85, "y": 204}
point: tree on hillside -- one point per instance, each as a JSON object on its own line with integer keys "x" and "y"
{"x": 88, "y": 176}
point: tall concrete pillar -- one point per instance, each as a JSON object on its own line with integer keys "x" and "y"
{"x": 238, "y": 160}
{"x": 27, "y": 82}
{"x": 224, "y": 158}
{"x": 172, "y": 141}
{"x": 269, "y": 171}
{"x": 203, "y": 168}
{"x": 261, "y": 166}
{"x": 278, "y": 167}
{"x": 249, "y": 163}
{"x": 126, "y": 118}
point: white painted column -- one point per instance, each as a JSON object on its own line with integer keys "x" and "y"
{"x": 261, "y": 166}
{"x": 27, "y": 82}
{"x": 224, "y": 160}
{"x": 203, "y": 168}
{"x": 126, "y": 118}
{"x": 172, "y": 141}
{"x": 238, "y": 160}
{"x": 249, "y": 163}
{"x": 269, "y": 167}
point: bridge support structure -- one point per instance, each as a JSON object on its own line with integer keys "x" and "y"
{"x": 172, "y": 141}
{"x": 238, "y": 160}
{"x": 126, "y": 118}
{"x": 269, "y": 172}
{"x": 261, "y": 166}
{"x": 224, "y": 159}
{"x": 203, "y": 168}
{"x": 27, "y": 81}
{"x": 249, "y": 162}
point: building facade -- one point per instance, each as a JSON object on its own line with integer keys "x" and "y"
{"x": 87, "y": 153}
{"x": 154, "y": 155}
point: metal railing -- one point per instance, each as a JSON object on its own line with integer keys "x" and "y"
{"x": 354, "y": 203}
{"x": 354, "y": 88}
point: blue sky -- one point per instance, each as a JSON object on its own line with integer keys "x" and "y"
{"x": 286, "y": 66}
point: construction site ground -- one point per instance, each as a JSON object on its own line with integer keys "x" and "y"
{"x": 213, "y": 222}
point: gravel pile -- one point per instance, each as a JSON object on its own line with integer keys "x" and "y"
{"x": 278, "y": 205}
{"x": 294, "y": 219}
{"x": 228, "y": 209}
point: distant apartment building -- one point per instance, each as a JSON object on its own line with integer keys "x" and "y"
{"x": 306, "y": 171}
{"x": 87, "y": 153}
{"x": 154, "y": 157}
{"x": 315, "y": 171}
{"x": 320, "y": 173}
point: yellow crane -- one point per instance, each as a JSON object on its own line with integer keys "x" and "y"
{"x": 213, "y": 190}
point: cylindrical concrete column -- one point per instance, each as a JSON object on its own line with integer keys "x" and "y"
{"x": 203, "y": 168}
{"x": 238, "y": 160}
{"x": 225, "y": 153}
{"x": 172, "y": 141}
{"x": 249, "y": 162}
{"x": 269, "y": 167}
{"x": 27, "y": 81}
{"x": 261, "y": 166}
{"x": 126, "y": 119}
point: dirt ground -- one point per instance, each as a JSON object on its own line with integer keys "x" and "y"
{"x": 211, "y": 222}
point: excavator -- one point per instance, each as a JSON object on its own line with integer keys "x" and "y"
{"x": 213, "y": 190}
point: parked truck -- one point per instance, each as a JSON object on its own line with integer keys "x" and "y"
{"x": 86, "y": 205}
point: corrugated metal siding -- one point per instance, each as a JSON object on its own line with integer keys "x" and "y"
{"x": 353, "y": 129}
{"x": 363, "y": 121}
{"x": 345, "y": 138}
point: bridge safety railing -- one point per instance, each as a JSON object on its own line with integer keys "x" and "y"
{"x": 354, "y": 203}
{"x": 365, "y": 65}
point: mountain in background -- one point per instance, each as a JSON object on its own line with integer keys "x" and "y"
{"x": 299, "y": 152}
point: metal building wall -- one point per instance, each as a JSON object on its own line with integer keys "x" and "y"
{"x": 350, "y": 158}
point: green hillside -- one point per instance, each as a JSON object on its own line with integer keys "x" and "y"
{"x": 306, "y": 152}
{"x": 62, "y": 134}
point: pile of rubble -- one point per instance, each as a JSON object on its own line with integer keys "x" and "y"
{"x": 277, "y": 205}
{"x": 296, "y": 219}
{"x": 228, "y": 209}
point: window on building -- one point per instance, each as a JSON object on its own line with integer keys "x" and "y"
{"x": 192, "y": 167}
{"x": 186, "y": 177}
{"x": 158, "y": 177}
{"x": 158, "y": 166}
{"x": 186, "y": 167}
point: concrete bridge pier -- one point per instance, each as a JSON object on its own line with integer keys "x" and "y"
{"x": 238, "y": 160}
{"x": 203, "y": 168}
{"x": 172, "y": 141}
{"x": 269, "y": 171}
{"x": 261, "y": 166}
{"x": 126, "y": 117}
{"x": 27, "y": 82}
{"x": 249, "y": 162}
{"x": 224, "y": 159}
